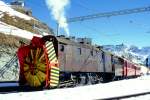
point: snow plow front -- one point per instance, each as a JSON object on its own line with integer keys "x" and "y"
{"x": 39, "y": 63}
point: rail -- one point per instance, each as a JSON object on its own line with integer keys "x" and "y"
{"x": 125, "y": 96}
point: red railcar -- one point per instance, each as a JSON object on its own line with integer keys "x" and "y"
{"x": 131, "y": 69}
{"x": 125, "y": 68}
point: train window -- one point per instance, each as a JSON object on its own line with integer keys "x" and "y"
{"x": 103, "y": 55}
{"x": 62, "y": 48}
{"x": 79, "y": 50}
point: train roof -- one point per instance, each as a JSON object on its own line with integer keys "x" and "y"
{"x": 68, "y": 41}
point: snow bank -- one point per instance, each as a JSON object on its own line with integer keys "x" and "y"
{"x": 90, "y": 92}
{"x": 144, "y": 70}
{"x": 6, "y": 8}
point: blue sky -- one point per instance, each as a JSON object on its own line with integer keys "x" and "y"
{"x": 133, "y": 29}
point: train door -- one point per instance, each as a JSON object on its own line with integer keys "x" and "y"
{"x": 118, "y": 63}
{"x": 103, "y": 59}
{"x": 125, "y": 71}
{"x": 62, "y": 56}
{"x": 113, "y": 64}
{"x": 134, "y": 70}
{"x": 69, "y": 58}
{"x": 108, "y": 64}
{"x": 100, "y": 61}
{"x": 77, "y": 59}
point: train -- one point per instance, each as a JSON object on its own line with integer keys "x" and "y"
{"x": 51, "y": 62}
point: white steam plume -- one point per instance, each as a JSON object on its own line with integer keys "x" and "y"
{"x": 57, "y": 8}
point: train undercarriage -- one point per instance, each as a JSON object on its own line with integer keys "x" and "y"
{"x": 82, "y": 78}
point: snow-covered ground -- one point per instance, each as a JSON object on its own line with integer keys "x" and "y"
{"x": 90, "y": 92}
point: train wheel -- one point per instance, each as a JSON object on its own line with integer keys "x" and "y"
{"x": 83, "y": 79}
{"x": 101, "y": 79}
{"x": 93, "y": 78}
{"x": 35, "y": 67}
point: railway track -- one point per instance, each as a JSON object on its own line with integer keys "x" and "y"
{"x": 14, "y": 87}
{"x": 125, "y": 96}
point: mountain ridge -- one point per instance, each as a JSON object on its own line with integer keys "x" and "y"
{"x": 131, "y": 52}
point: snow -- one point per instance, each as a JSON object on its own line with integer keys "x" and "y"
{"x": 11, "y": 30}
{"x": 90, "y": 92}
{"x": 7, "y": 9}
{"x": 144, "y": 70}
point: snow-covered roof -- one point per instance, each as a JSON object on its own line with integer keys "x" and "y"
{"x": 7, "y": 9}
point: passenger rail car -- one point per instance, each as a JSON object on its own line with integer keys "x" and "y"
{"x": 125, "y": 68}
{"x": 58, "y": 61}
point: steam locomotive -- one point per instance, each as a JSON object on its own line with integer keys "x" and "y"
{"x": 51, "y": 61}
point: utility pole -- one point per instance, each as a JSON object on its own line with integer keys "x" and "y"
{"x": 57, "y": 30}
{"x": 147, "y": 61}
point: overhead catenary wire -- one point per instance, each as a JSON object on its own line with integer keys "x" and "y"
{"x": 109, "y": 14}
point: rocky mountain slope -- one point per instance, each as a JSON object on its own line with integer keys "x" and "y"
{"x": 8, "y": 62}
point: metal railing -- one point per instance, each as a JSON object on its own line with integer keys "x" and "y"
{"x": 8, "y": 65}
